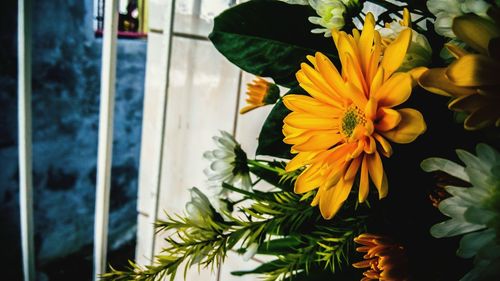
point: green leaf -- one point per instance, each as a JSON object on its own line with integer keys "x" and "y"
{"x": 279, "y": 246}
{"x": 269, "y": 173}
{"x": 271, "y": 135}
{"x": 269, "y": 38}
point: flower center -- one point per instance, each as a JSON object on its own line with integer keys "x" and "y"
{"x": 353, "y": 116}
{"x": 240, "y": 161}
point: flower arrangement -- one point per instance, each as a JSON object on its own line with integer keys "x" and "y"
{"x": 365, "y": 111}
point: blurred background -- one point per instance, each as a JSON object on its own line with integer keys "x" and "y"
{"x": 202, "y": 93}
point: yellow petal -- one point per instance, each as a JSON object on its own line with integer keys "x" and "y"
{"x": 395, "y": 52}
{"x": 300, "y": 160}
{"x": 376, "y": 54}
{"x": 474, "y": 70}
{"x": 366, "y": 41}
{"x": 406, "y": 18}
{"x": 354, "y": 74}
{"x": 395, "y": 91}
{"x": 468, "y": 103}
{"x": 370, "y": 146}
{"x": 377, "y": 81}
{"x": 316, "y": 93}
{"x": 364, "y": 184}
{"x": 301, "y": 136}
{"x": 332, "y": 199}
{"x": 309, "y": 121}
{"x": 384, "y": 189}
{"x": 312, "y": 60}
{"x": 290, "y": 131}
{"x": 371, "y": 108}
{"x": 411, "y": 126}
{"x": 336, "y": 172}
{"x": 356, "y": 95}
{"x": 310, "y": 105}
{"x": 356, "y": 34}
{"x": 356, "y": 152}
{"x": 481, "y": 118}
{"x": 320, "y": 141}
{"x": 435, "y": 81}
{"x": 388, "y": 119}
{"x": 318, "y": 81}
{"x": 415, "y": 74}
{"x": 347, "y": 47}
{"x": 249, "y": 108}
{"x": 352, "y": 171}
{"x": 375, "y": 169}
{"x": 475, "y": 31}
{"x": 309, "y": 179}
{"x": 384, "y": 145}
{"x": 330, "y": 73}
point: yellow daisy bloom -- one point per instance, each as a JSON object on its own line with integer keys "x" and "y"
{"x": 342, "y": 128}
{"x": 260, "y": 93}
{"x": 472, "y": 79}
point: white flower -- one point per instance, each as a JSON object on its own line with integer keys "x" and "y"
{"x": 228, "y": 163}
{"x": 331, "y": 15}
{"x": 474, "y": 211}
{"x": 419, "y": 52}
{"x": 446, "y": 10}
{"x": 199, "y": 208}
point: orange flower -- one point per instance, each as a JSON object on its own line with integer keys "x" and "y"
{"x": 260, "y": 93}
{"x": 342, "y": 128}
{"x": 384, "y": 259}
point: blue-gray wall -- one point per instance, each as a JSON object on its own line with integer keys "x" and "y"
{"x": 66, "y": 72}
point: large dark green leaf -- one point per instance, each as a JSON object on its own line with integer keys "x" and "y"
{"x": 269, "y": 38}
{"x": 271, "y": 135}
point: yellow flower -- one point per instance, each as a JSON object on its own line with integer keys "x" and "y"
{"x": 385, "y": 260}
{"x": 472, "y": 80}
{"x": 344, "y": 126}
{"x": 419, "y": 52}
{"x": 260, "y": 93}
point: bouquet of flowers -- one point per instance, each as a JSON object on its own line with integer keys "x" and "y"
{"x": 377, "y": 90}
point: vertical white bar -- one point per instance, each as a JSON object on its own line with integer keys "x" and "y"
{"x": 153, "y": 126}
{"x": 24, "y": 119}
{"x": 167, "y": 36}
{"x": 105, "y": 144}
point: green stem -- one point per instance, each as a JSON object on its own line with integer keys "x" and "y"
{"x": 257, "y": 163}
{"x": 241, "y": 191}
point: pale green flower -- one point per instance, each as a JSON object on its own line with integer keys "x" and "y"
{"x": 331, "y": 15}
{"x": 446, "y": 10}
{"x": 474, "y": 211}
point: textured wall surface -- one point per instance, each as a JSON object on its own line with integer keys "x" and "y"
{"x": 66, "y": 72}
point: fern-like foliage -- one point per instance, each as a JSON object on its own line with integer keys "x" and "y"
{"x": 282, "y": 223}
